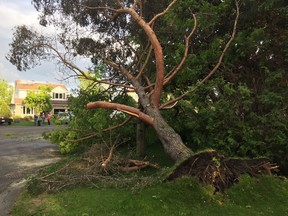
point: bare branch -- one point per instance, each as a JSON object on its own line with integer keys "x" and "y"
{"x": 108, "y": 159}
{"x": 154, "y": 42}
{"x": 87, "y": 77}
{"x": 172, "y": 74}
{"x": 91, "y": 135}
{"x": 123, "y": 108}
{"x": 162, "y": 13}
{"x": 145, "y": 63}
{"x": 99, "y": 8}
{"x": 157, "y": 51}
{"x": 62, "y": 58}
{"x": 213, "y": 71}
{"x": 74, "y": 68}
{"x": 137, "y": 165}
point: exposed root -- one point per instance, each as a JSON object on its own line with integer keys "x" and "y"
{"x": 212, "y": 168}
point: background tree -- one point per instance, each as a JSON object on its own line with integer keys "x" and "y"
{"x": 242, "y": 111}
{"x": 40, "y": 101}
{"x": 6, "y": 92}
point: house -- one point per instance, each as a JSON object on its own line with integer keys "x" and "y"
{"x": 59, "y": 99}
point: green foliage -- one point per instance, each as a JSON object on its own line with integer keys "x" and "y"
{"x": 242, "y": 110}
{"x": 40, "y": 101}
{"x": 6, "y": 92}
{"x": 90, "y": 123}
{"x": 59, "y": 137}
{"x": 5, "y": 109}
{"x": 26, "y": 44}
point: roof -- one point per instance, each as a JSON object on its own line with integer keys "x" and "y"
{"x": 34, "y": 85}
{"x": 18, "y": 100}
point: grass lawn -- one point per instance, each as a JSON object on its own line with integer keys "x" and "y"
{"x": 23, "y": 123}
{"x": 26, "y": 123}
{"x": 264, "y": 196}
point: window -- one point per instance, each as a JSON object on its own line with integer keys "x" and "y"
{"x": 27, "y": 110}
{"x": 58, "y": 95}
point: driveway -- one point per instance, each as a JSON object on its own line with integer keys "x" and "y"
{"x": 22, "y": 152}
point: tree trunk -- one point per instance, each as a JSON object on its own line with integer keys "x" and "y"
{"x": 170, "y": 139}
{"x": 140, "y": 139}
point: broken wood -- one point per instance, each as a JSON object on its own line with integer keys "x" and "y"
{"x": 138, "y": 165}
{"x": 105, "y": 163}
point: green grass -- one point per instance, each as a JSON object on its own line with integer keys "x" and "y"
{"x": 23, "y": 123}
{"x": 26, "y": 123}
{"x": 264, "y": 196}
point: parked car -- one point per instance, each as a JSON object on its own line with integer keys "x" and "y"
{"x": 7, "y": 120}
{"x": 64, "y": 117}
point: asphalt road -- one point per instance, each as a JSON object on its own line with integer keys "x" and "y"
{"x": 22, "y": 152}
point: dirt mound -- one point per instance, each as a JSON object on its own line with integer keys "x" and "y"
{"x": 212, "y": 168}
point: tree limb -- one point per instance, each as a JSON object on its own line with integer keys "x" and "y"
{"x": 213, "y": 71}
{"x": 175, "y": 71}
{"x": 108, "y": 159}
{"x": 154, "y": 42}
{"x": 137, "y": 165}
{"x": 91, "y": 135}
{"x": 145, "y": 63}
{"x": 157, "y": 51}
{"x": 74, "y": 68}
{"x": 123, "y": 108}
{"x": 162, "y": 13}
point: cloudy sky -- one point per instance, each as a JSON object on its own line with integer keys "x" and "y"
{"x": 19, "y": 12}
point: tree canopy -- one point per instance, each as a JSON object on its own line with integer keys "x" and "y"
{"x": 39, "y": 100}
{"x": 6, "y": 92}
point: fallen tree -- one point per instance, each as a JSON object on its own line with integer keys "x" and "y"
{"x": 126, "y": 66}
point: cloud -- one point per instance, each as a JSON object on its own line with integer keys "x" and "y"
{"x": 13, "y": 14}
{"x": 20, "y": 12}
{"x": 6, "y": 74}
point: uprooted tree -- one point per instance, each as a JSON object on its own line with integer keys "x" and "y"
{"x": 111, "y": 45}
{"x": 119, "y": 36}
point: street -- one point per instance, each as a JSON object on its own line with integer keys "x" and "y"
{"x": 22, "y": 152}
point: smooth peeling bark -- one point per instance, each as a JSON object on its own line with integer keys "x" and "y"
{"x": 123, "y": 108}
{"x": 158, "y": 52}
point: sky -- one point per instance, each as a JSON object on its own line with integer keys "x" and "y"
{"x": 19, "y": 12}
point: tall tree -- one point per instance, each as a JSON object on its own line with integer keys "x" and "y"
{"x": 111, "y": 41}
{"x": 6, "y": 92}
{"x": 40, "y": 101}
